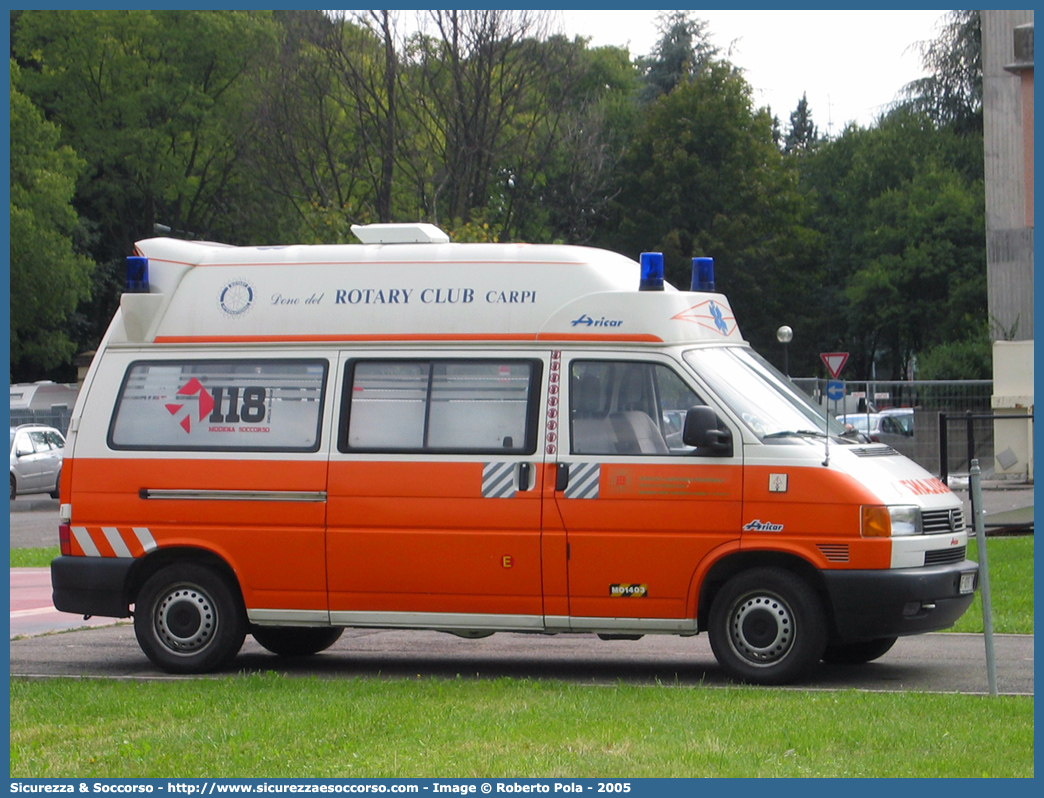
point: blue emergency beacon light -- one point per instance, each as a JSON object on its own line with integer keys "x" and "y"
{"x": 652, "y": 272}
{"x": 702, "y": 274}
{"x": 137, "y": 275}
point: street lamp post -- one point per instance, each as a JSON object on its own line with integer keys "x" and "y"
{"x": 785, "y": 335}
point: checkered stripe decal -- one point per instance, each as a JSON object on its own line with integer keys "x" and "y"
{"x": 111, "y": 541}
{"x": 583, "y": 481}
{"x": 498, "y": 480}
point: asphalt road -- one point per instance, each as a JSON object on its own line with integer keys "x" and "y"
{"x": 943, "y": 663}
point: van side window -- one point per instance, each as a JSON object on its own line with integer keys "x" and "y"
{"x": 627, "y": 407}
{"x": 220, "y": 405}
{"x": 467, "y": 406}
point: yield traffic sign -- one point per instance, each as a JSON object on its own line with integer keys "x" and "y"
{"x": 834, "y": 361}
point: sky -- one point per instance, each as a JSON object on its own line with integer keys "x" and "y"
{"x": 851, "y": 64}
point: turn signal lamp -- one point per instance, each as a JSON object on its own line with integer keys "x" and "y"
{"x": 702, "y": 274}
{"x": 876, "y": 522}
{"x": 891, "y": 522}
{"x": 652, "y": 272}
{"x": 137, "y": 275}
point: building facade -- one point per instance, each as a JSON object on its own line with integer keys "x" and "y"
{"x": 1007, "y": 55}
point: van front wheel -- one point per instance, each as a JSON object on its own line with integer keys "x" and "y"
{"x": 767, "y": 626}
{"x": 188, "y": 618}
{"x": 296, "y": 641}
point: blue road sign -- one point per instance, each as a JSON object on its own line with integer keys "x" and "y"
{"x": 835, "y": 390}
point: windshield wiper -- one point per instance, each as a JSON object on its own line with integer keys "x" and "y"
{"x": 800, "y": 433}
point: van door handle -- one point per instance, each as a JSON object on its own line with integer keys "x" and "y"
{"x": 561, "y": 476}
{"x": 523, "y": 475}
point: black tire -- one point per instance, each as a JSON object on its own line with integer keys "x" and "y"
{"x": 296, "y": 641}
{"x": 57, "y": 485}
{"x": 14, "y": 487}
{"x": 767, "y": 626}
{"x": 188, "y": 618}
{"x": 858, "y": 653}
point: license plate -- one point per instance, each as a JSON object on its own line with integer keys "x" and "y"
{"x": 967, "y": 583}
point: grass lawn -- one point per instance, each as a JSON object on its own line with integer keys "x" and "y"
{"x": 1011, "y": 587}
{"x": 33, "y": 558}
{"x": 271, "y": 726}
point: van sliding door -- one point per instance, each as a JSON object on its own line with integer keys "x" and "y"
{"x": 433, "y": 503}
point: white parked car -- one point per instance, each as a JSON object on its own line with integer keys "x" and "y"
{"x": 36, "y": 459}
{"x": 893, "y": 426}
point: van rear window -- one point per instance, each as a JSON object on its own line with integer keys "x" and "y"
{"x": 467, "y": 406}
{"x": 220, "y": 405}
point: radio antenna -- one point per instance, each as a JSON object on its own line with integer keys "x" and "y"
{"x": 826, "y": 435}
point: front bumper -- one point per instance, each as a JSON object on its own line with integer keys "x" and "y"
{"x": 901, "y": 601}
{"x": 91, "y": 585}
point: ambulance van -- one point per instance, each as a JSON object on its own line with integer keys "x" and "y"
{"x": 475, "y": 438}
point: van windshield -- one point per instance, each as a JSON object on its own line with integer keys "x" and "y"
{"x": 770, "y": 405}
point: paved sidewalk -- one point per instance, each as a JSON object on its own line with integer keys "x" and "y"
{"x": 1006, "y": 509}
{"x": 32, "y": 612}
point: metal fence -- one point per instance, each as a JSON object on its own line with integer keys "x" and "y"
{"x": 57, "y": 417}
{"x": 928, "y": 399}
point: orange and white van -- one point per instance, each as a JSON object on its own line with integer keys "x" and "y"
{"x": 473, "y": 438}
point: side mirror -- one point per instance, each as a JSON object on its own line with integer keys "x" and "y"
{"x": 704, "y": 430}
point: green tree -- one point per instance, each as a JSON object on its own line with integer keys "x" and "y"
{"x": 310, "y": 153}
{"x": 920, "y": 278}
{"x": 682, "y": 50}
{"x": 970, "y": 358}
{"x": 555, "y": 181}
{"x": 703, "y": 177}
{"x": 156, "y": 102}
{"x": 802, "y": 135}
{"x": 48, "y": 276}
{"x": 159, "y": 105}
{"x": 951, "y": 94}
{"x": 489, "y": 99}
{"x": 900, "y": 207}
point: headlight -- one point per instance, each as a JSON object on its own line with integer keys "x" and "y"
{"x": 883, "y": 522}
{"x": 906, "y": 521}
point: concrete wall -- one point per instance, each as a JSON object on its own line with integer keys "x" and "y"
{"x": 1008, "y": 126}
{"x": 1013, "y": 396}
{"x": 1009, "y": 236}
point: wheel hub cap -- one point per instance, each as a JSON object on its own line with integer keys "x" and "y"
{"x": 185, "y": 620}
{"x": 762, "y": 630}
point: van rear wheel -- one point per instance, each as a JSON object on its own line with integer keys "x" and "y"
{"x": 767, "y": 626}
{"x": 296, "y": 641}
{"x": 188, "y": 618}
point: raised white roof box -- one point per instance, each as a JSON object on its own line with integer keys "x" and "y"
{"x": 399, "y": 234}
